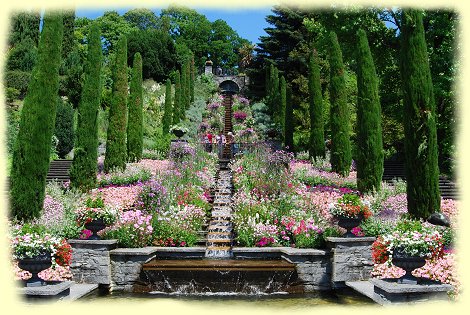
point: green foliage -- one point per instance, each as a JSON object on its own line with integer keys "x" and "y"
{"x": 317, "y": 138}
{"x": 18, "y": 80}
{"x": 157, "y": 50}
{"x": 135, "y": 133}
{"x": 84, "y": 165}
{"x": 142, "y": 18}
{"x": 112, "y": 26}
{"x": 192, "y": 79}
{"x": 168, "y": 110}
{"x": 11, "y": 94}
{"x": 32, "y": 147}
{"x": 369, "y": 154}
{"x": 178, "y": 110}
{"x": 23, "y": 56}
{"x": 68, "y": 40}
{"x": 25, "y": 25}
{"x": 421, "y": 165}
{"x": 128, "y": 177}
{"x": 184, "y": 86}
{"x": 73, "y": 77}
{"x": 339, "y": 116}
{"x": 289, "y": 124}
{"x": 375, "y": 227}
{"x": 116, "y": 149}
{"x": 283, "y": 104}
{"x": 64, "y": 130}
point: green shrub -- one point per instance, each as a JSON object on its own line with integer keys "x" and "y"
{"x": 64, "y": 128}
{"x": 11, "y": 94}
{"x": 22, "y": 56}
{"x": 18, "y": 80}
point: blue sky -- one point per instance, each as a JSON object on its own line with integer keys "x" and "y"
{"x": 248, "y": 23}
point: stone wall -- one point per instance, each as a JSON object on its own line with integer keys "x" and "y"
{"x": 351, "y": 259}
{"x": 91, "y": 262}
{"x": 346, "y": 259}
{"x": 313, "y": 268}
{"x": 126, "y": 265}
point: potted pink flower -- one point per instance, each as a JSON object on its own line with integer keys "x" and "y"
{"x": 95, "y": 216}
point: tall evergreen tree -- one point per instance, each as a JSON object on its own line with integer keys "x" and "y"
{"x": 68, "y": 41}
{"x": 422, "y": 173}
{"x": 289, "y": 121}
{"x": 282, "y": 87}
{"x": 317, "y": 132}
{"x": 84, "y": 165}
{"x": 339, "y": 115}
{"x": 116, "y": 149}
{"x": 135, "y": 129}
{"x": 33, "y": 143}
{"x": 369, "y": 160}
{"x": 192, "y": 80}
{"x": 178, "y": 110}
{"x": 25, "y": 25}
{"x": 184, "y": 86}
{"x": 188, "y": 83}
{"x": 168, "y": 110}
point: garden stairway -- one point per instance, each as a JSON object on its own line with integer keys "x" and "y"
{"x": 219, "y": 232}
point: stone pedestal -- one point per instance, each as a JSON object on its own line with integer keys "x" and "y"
{"x": 126, "y": 266}
{"x": 351, "y": 259}
{"x": 91, "y": 261}
{"x": 393, "y": 292}
{"x": 51, "y": 291}
{"x": 312, "y": 266}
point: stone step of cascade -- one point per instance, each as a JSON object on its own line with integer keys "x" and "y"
{"x": 219, "y": 236}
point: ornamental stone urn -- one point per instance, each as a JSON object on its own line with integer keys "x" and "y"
{"x": 407, "y": 262}
{"x": 95, "y": 226}
{"x": 349, "y": 223}
{"x": 35, "y": 265}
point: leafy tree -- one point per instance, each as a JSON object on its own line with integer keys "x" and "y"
{"x": 339, "y": 116}
{"x": 32, "y": 147}
{"x": 317, "y": 137}
{"x": 289, "y": 133}
{"x": 112, "y": 26}
{"x": 157, "y": 50}
{"x": 64, "y": 128}
{"x": 116, "y": 149}
{"x": 142, "y": 18}
{"x": 84, "y": 165}
{"x": 369, "y": 156}
{"x": 178, "y": 110}
{"x": 168, "y": 110}
{"x": 135, "y": 132}
{"x": 421, "y": 165}
{"x": 22, "y": 56}
{"x": 224, "y": 44}
{"x": 24, "y": 25}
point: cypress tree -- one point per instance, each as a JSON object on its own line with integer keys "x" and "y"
{"x": 116, "y": 149}
{"x": 192, "y": 80}
{"x": 317, "y": 137}
{"x": 340, "y": 158}
{"x": 135, "y": 129}
{"x": 422, "y": 173}
{"x": 289, "y": 129}
{"x": 84, "y": 165}
{"x": 275, "y": 95}
{"x": 369, "y": 161}
{"x": 167, "y": 116}
{"x": 178, "y": 111}
{"x": 184, "y": 86}
{"x": 33, "y": 143}
{"x": 283, "y": 103}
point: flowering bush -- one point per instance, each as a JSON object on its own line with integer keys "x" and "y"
{"x": 152, "y": 198}
{"x": 180, "y": 151}
{"x": 411, "y": 237}
{"x": 350, "y": 206}
{"x": 87, "y": 214}
{"x": 133, "y": 229}
{"x": 132, "y": 174}
{"x": 29, "y": 245}
{"x": 239, "y": 116}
